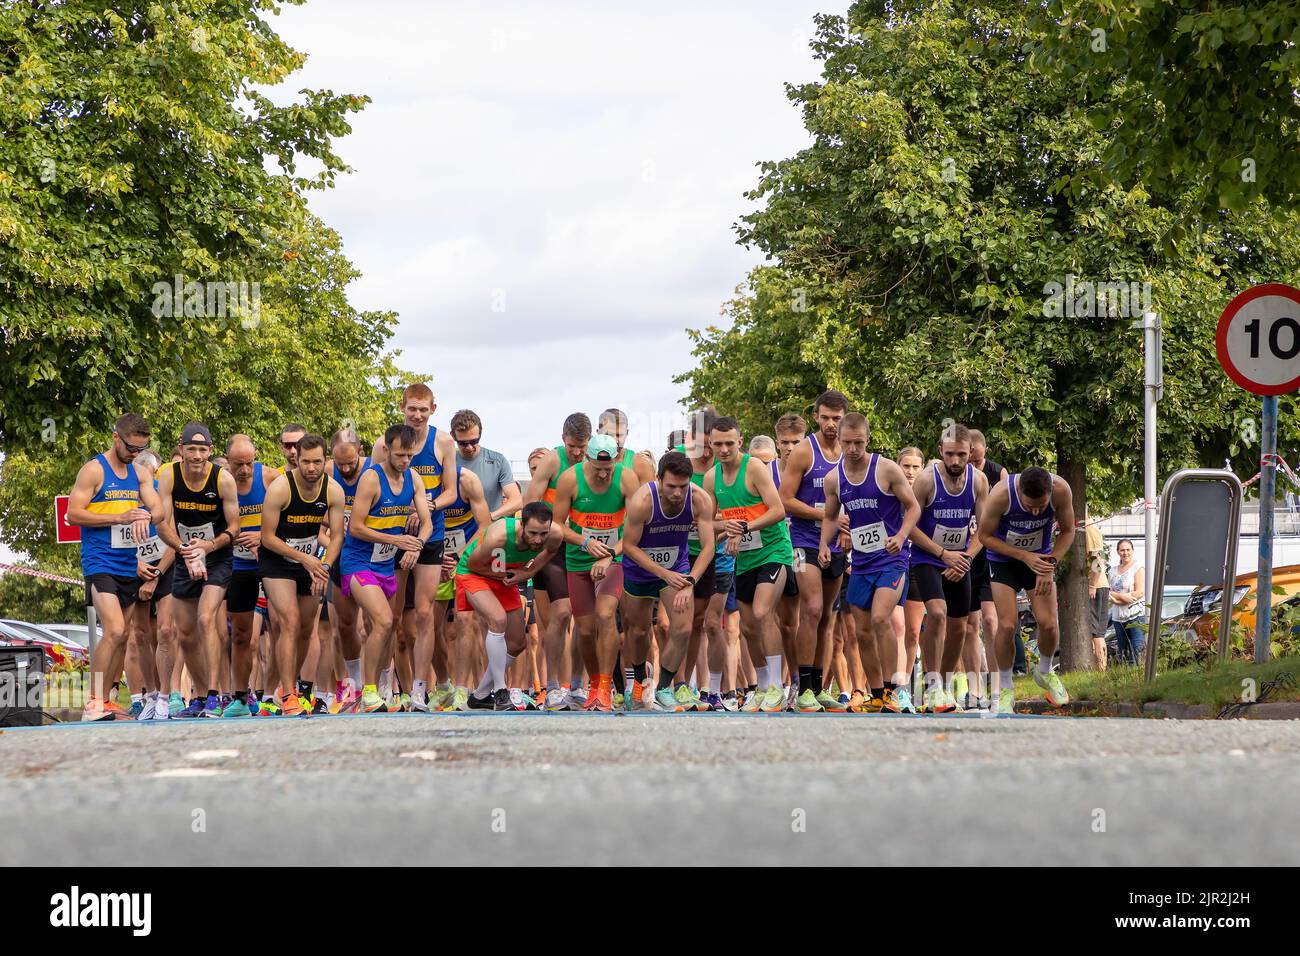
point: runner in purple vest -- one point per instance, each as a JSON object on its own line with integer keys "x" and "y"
{"x": 942, "y": 550}
{"x": 656, "y": 530}
{"x": 882, "y": 513}
{"x": 804, "y": 497}
{"x": 1015, "y": 525}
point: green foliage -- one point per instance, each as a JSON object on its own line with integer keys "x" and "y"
{"x": 26, "y": 598}
{"x": 913, "y": 245}
{"x": 1208, "y": 102}
{"x": 136, "y": 144}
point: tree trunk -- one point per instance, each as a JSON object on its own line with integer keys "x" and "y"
{"x": 1072, "y": 588}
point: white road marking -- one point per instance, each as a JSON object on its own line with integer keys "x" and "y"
{"x": 211, "y": 754}
{"x": 421, "y": 754}
{"x": 188, "y": 772}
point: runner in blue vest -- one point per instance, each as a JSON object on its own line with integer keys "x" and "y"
{"x": 1015, "y": 526}
{"x": 942, "y": 551}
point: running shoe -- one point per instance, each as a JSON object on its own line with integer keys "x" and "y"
{"x": 95, "y": 710}
{"x": 460, "y": 699}
{"x": 808, "y": 703}
{"x": 419, "y": 703}
{"x": 319, "y": 706}
{"x": 858, "y": 703}
{"x": 874, "y": 705}
{"x": 557, "y": 699}
{"x": 665, "y": 702}
{"x": 578, "y": 698}
{"x": 527, "y": 700}
{"x": 772, "y": 700}
{"x": 684, "y": 697}
{"x": 137, "y": 710}
{"x": 372, "y": 703}
{"x": 599, "y": 701}
{"x": 442, "y": 695}
{"x": 831, "y": 702}
{"x": 269, "y": 707}
{"x": 904, "y": 698}
{"x": 501, "y": 701}
{"x": 236, "y": 708}
{"x": 616, "y": 702}
{"x": 1057, "y": 695}
{"x": 1006, "y": 701}
{"x": 212, "y": 708}
{"x": 292, "y": 706}
{"x": 714, "y": 701}
{"x": 752, "y": 703}
{"x": 944, "y": 702}
{"x": 175, "y": 704}
{"x": 731, "y": 703}
{"x": 404, "y": 703}
{"x": 638, "y": 698}
{"x": 960, "y": 686}
{"x": 226, "y": 699}
{"x": 484, "y": 703}
{"x": 193, "y": 709}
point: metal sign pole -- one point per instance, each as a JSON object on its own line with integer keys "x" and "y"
{"x": 1152, "y": 389}
{"x": 1264, "y": 586}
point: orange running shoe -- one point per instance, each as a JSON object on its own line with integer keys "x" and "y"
{"x": 291, "y": 706}
{"x": 117, "y": 710}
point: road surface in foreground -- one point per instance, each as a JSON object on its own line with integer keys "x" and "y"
{"x": 684, "y": 790}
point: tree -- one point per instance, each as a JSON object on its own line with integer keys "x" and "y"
{"x": 943, "y": 275}
{"x": 136, "y": 145}
{"x": 1207, "y": 102}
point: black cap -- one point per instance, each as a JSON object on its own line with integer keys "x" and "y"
{"x": 195, "y": 433}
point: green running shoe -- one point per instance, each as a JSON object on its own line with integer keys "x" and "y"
{"x": 831, "y": 702}
{"x": 1056, "y": 692}
{"x": 372, "y": 702}
{"x": 808, "y": 702}
{"x": 904, "y": 699}
{"x": 175, "y": 704}
{"x": 773, "y": 700}
{"x": 752, "y": 703}
{"x": 236, "y": 708}
{"x": 1006, "y": 701}
{"x": 666, "y": 702}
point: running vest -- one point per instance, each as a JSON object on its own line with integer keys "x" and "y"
{"x": 737, "y": 503}
{"x": 426, "y": 465}
{"x": 250, "y": 517}
{"x": 805, "y": 533}
{"x": 388, "y": 514}
{"x": 947, "y": 519}
{"x": 111, "y": 549}
{"x": 515, "y": 556}
{"x": 664, "y": 539}
{"x": 198, "y": 511}
{"x": 723, "y": 563}
{"x": 874, "y": 515}
{"x": 300, "y": 519}
{"x": 461, "y": 525}
{"x": 350, "y": 490}
{"x": 595, "y": 515}
{"x": 549, "y": 495}
{"x": 1021, "y": 529}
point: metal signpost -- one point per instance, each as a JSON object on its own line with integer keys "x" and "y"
{"x": 1258, "y": 343}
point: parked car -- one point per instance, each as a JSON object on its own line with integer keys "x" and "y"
{"x": 1201, "y": 614}
{"x": 78, "y": 634}
{"x": 58, "y": 649}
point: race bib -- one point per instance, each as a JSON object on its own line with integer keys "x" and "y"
{"x": 455, "y": 540}
{"x": 120, "y": 537}
{"x": 664, "y": 557}
{"x": 693, "y": 534}
{"x": 1028, "y": 541}
{"x": 606, "y": 536}
{"x": 302, "y": 545}
{"x": 382, "y": 553}
{"x": 244, "y": 554}
{"x": 202, "y": 532}
{"x": 750, "y": 541}
{"x": 151, "y": 550}
{"x": 870, "y": 538}
{"x": 950, "y": 539}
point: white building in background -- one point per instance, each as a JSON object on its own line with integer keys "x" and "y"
{"x": 1286, "y": 536}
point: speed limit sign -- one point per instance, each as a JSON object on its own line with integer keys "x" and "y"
{"x": 1258, "y": 339}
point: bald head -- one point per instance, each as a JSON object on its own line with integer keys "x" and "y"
{"x": 241, "y": 453}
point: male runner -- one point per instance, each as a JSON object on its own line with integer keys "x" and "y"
{"x": 500, "y": 557}
{"x": 434, "y": 460}
{"x": 551, "y": 589}
{"x": 251, "y": 480}
{"x": 373, "y": 575}
{"x": 909, "y": 615}
{"x": 660, "y": 516}
{"x": 613, "y": 422}
{"x": 491, "y": 467}
{"x": 201, "y": 505}
{"x": 113, "y": 501}
{"x": 882, "y": 513}
{"x": 981, "y": 583}
{"x": 942, "y": 550}
{"x": 590, "y": 502}
{"x": 1015, "y": 526}
{"x": 802, "y": 495}
{"x": 289, "y": 436}
{"x": 753, "y": 522}
{"x": 348, "y": 465}
{"x": 153, "y": 628}
{"x": 297, "y": 505}
{"x": 453, "y": 644}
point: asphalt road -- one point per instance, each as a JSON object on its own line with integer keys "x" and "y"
{"x": 683, "y": 790}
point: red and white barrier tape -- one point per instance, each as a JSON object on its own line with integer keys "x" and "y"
{"x": 43, "y": 575}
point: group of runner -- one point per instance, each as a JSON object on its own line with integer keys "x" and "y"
{"x": 797, "y": 573}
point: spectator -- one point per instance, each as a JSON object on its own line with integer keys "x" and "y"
{"x": 503, "y": 494}
{"x": 1127, "y": 584}
{"x": 1098, "y": 591}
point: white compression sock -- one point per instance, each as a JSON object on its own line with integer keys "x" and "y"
{"x": 1045, "y": 664}
{"x": 715, "y": 682}
{"x": 773, "y": 670}
{"x": 498, "y": 658}
{"x": 354, "y": 672}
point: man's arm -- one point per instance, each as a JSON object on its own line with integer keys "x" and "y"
{"x": 643, "y": 467}
{"x": 277, "y": 497}
{"x": 229, "y": 492}
{"x": 758, "y": 477}
{"x": 148, "y": 495}
{"x": 975, "y": 546}
{"x": 702, "y": 508}
{"x": 471, "y": 490}
{"x": 990, "y": 516}
{"x": 547, "y": 469}
{"x": 564, "y": 491}
{"x": 898, "y": 485}
{"x": 445, "y": 449}
{"x": 1063, "y": 505}
{"x": 89, "y": 480}
{"x": 554, "y": 542}
{"x": 167, "y": 526}
{"x": 333, "y": 521}
{"x": 512, "y": 499}
{"x": 796, "y": 466}
{"x": 634, "y": 519}
{"x": 362, "y": 502}
{"x": 831, "y": 523}
{"x": 923, "y": 490}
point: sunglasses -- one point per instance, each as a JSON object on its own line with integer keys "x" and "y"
{"x": 135, "y": 449}
{"x": 467, "y": 442}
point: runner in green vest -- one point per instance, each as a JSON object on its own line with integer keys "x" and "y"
{"x": 753, "y": 521}
{"x": 589, "y": 505}
{"x": 613, "y": 422}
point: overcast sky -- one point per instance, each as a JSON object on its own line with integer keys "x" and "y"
{"x": 546, "y": 192}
